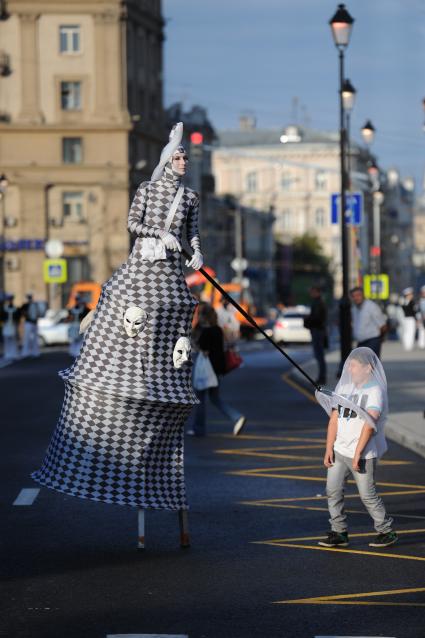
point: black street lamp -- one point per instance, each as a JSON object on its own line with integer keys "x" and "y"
{"x": 368, "y": 132}
{"x": 341, "y": 25}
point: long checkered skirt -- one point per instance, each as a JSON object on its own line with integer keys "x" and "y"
{"x": 121, "y": 451}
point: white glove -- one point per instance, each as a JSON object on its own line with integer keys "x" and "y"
{"x": 170, "y": 242}
{"x": 196, "y": 261}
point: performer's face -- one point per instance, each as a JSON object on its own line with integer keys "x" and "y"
{"x": 179, "y": 163}
{"x": 181, "y": 353}
{"x": 134, "y": 320}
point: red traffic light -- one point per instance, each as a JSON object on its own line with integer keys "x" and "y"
{"x": 196, "y": 138}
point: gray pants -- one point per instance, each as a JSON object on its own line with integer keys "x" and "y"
{"x": 365, "y": 480}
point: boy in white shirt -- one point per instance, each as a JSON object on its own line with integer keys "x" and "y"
{"x": 355, "y": 441}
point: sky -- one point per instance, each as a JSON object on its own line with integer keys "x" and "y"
{"x": 235, "y": 56}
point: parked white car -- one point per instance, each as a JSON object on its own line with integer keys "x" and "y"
{"x": 289, "y": 326}
{"x": 53, "y": 328}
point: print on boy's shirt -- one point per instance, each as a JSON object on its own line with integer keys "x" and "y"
{"x": 346, "y": 413}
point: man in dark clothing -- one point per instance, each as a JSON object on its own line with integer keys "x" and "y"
{"x": 316, "y": 323}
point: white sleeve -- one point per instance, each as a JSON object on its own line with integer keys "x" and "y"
{"x": 374, "y": 399}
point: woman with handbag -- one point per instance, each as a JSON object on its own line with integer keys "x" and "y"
{"x": 211, "y": 344}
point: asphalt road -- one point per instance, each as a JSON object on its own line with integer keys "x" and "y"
{"x": 257, "y": 510}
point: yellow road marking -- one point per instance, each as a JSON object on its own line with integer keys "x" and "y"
{"x": 312, "y": 508}
{"x": 324, "y": 497}
{"x": 347, "y": 599}
{"x": 356, "y": 535}
{"x": 311, "y": 446}
{"x": 290, "y": 457}
{"x": 264, "y": 437}
{"x": 298, "y": 387}
{"x": 347, "y": 551}
{"x": 267, "y": 472}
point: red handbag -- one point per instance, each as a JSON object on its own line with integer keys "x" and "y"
{"x": 233, "y": 360}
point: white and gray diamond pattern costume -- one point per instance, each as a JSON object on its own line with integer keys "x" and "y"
{"x": 119, "y": 438}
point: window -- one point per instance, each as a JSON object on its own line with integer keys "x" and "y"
{"x": 286, "y": 181}
{"x": 72, "y": 150}
{"x": 69, "y": 39}
{"x": 71, "y": 96}
{"x": 73, "y": 206}
{"x": 320, "y": 181}
{"x": 286, "y": 219}
{"x": 251, "y": 182}
{"x": 320, "y": 217}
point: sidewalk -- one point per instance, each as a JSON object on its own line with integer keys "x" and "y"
{"x": 406, "y": 391}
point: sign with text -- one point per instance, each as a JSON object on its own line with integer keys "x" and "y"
{"x": 354, "y": 208}
{"x": 55, "y": 271}
{"x": 376, "y": 286}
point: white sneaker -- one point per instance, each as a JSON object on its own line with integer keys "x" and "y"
{"x": 239, "y": 425}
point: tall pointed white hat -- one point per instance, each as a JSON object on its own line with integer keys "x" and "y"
{"x": 168, "y": 151}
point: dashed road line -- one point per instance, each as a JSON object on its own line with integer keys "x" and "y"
{"x": 147, "y": 636}
{"x": 26, "y": 496}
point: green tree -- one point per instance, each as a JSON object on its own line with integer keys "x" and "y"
{"x": 310, "y": 266}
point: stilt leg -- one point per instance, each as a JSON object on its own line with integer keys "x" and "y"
{"x": 141, "y": 529}
{"x": 184, "y": 528}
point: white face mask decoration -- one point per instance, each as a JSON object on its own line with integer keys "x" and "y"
{"x": 134, "y": 320}
{"x": 181, "y": 353}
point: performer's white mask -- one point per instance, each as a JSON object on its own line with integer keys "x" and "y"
{"x": 134, "y": 320}
{"x": 181, "y": 353}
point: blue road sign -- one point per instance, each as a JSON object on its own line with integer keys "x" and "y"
{"x": 354, "y": 208}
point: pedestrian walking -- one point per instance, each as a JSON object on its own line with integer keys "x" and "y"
{"x": 355, "y": 442}
{"x": 410, "y": 312}
{"x": 316, "y": 322}
{"x": 10, "y": 321}
{"x": 211, "y": 343}
{"x": 421, "y": 312}
{"x": 226, "y": 318}
{"x": 30, "y": 314}
{"x": 76, "y": 315}
{"x": 368, "y": 321}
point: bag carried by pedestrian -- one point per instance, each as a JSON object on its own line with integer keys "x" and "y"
{"x": 203, "y": 373}
{"x": 233, "y": 360}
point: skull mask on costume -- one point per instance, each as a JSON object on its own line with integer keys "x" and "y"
{"x": 181, "y": 353}
{"x": 134, "y": 320}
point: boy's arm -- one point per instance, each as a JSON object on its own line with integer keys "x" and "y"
{"x": 365, "y": 436}
{"x": 328, "y": 459}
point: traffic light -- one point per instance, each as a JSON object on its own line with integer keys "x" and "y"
{"x": 196, "y": 144}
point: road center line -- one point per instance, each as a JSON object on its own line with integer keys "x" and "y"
{"x": 27, "y": 496}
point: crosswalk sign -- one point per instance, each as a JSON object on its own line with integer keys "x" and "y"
{"x": 55, "y": 271}
{"x": 376, "y": 286}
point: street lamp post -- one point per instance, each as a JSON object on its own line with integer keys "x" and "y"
{"x": 348, "y": 99}
{"x": 4, "y": 182}
{"x": 341, "y": 24}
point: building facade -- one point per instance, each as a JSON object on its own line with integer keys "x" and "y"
{"x": 294, "y": 171}
{"x": 81, "y": 123}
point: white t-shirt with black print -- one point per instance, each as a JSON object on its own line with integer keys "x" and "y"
{"x": 350, "y": 424}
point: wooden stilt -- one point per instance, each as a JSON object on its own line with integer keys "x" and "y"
{"x": 184, "y": 528}
{"x": 141, "y": 529}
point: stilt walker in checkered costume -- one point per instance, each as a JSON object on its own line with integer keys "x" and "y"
{"x": 119, "y": 438}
